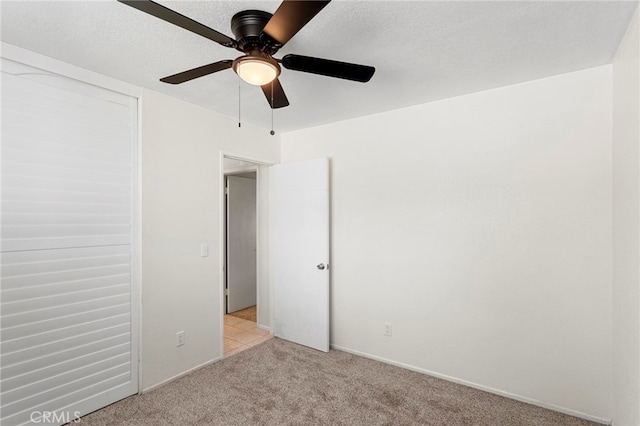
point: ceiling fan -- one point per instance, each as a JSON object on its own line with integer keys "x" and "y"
{"x": 259, "y": 35}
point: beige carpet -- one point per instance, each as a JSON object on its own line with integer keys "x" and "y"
{"x": 248, "y": 314}
{"x": 280, "y": 383}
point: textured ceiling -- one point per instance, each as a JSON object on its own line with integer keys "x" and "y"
{"x": 422, "y": 50}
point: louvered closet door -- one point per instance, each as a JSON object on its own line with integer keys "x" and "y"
{"x": 67, "y": 301}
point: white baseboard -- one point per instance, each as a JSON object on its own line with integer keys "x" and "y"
{"x": 265, "y": 328}
{"x": 177, "y": 376}
{"x": 478, "y": 386}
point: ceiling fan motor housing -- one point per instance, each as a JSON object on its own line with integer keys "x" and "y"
{"x": 247, "y": 28}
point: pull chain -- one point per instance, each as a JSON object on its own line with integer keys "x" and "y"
{"x": 239, "y": 109}
{"x": 272, "y": 132}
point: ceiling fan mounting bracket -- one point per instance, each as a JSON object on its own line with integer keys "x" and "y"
{"x": 247, "y": 28}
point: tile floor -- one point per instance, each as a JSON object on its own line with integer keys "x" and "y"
{"x": 240, "y": 334}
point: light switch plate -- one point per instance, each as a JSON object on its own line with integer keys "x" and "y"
{"x": 204, "y": 250}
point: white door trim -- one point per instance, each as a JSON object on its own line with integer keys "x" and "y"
{"x": 236, "y": 170}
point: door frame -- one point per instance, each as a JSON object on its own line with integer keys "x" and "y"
{"x": 222, "y": 240}
{"x": 225, "y": 265}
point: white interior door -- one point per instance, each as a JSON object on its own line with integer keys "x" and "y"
{"x": 300, "y": 251}
{"x": 241, "y": 243}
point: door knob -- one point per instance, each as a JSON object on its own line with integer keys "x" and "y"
{"x": 320, "y": 266}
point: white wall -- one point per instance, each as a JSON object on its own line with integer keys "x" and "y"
{"x": 480, "y": 227}
{"x": 626, "y": 228}
{"x": 181, "y": 185}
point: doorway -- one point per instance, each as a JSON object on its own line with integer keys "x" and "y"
{"x": 243, "y": 327}
{"x": 241, "y": 243}
{"x": 292, "y": 223}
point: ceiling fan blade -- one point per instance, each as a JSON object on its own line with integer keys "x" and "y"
{"x": 182, "y": 21}
{"x": 197, "y": 72}
{"x": 355, "y": 72}
{"x": 279, "y": 98}
{"x": 290, "y": 17}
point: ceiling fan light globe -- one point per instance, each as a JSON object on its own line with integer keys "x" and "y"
{"x": 257, "y": 71}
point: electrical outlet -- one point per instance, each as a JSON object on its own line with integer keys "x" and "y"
{"x": 387, "y": 329}
{"x": 180, "y": 338}
{"x": 204, "y": 250}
